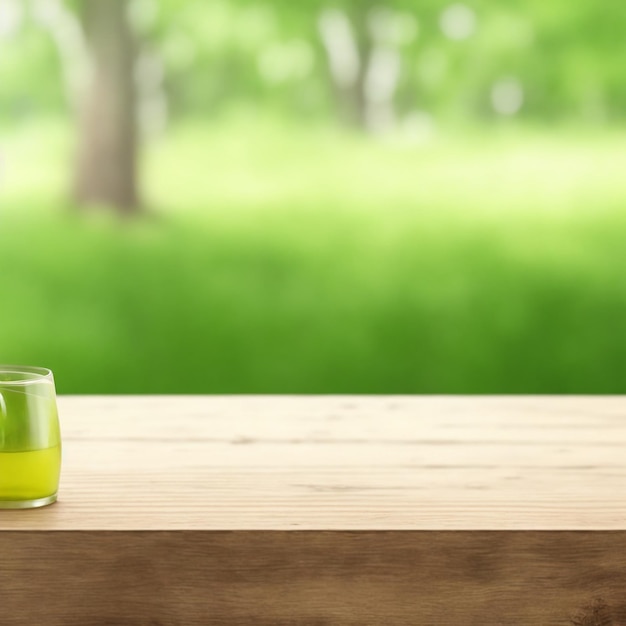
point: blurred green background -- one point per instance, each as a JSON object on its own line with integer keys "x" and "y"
{"x": 240, "y": 196}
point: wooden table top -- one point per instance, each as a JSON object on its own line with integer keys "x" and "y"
{"x": 338, "y": 463}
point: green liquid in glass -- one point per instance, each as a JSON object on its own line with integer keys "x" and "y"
{"x": 29, "y": 475}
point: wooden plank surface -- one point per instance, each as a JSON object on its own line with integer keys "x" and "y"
{"x": 338, "y": 463}
{"x": 368, "y": 578}
{"x": 327, "y": 511}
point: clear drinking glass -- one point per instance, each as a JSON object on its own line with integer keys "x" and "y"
{"x": 30, "y": 438}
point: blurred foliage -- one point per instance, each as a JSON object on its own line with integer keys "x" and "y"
{"x": 476, "y": 246}
{"x": 415, "y": 270}
{"x": 566, "y": 58}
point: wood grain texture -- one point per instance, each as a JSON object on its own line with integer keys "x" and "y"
{"x": 327, "y": 511}
{"x": 247, "y": 578}
{"x": 338, "y": 463}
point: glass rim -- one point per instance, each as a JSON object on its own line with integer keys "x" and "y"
{"x": 31, "y": 373}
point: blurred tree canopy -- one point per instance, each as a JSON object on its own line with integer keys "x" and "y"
{"x": 128, "y": 67}
{"x": 401, "y": 59}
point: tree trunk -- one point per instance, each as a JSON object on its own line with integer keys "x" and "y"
{"x": 107, "y": 156}
{"x": 347, "y": 39}
{"x": 358, "y": 15}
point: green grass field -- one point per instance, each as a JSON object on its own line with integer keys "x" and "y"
{"x": 280, "y": 260}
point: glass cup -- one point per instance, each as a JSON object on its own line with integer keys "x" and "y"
{"x": 30, "y": 438}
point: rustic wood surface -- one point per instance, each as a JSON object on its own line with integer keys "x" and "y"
{"x": 248, "y": 578}
{"x": 327, "y": 511}
{"x": 338, "y": 463}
